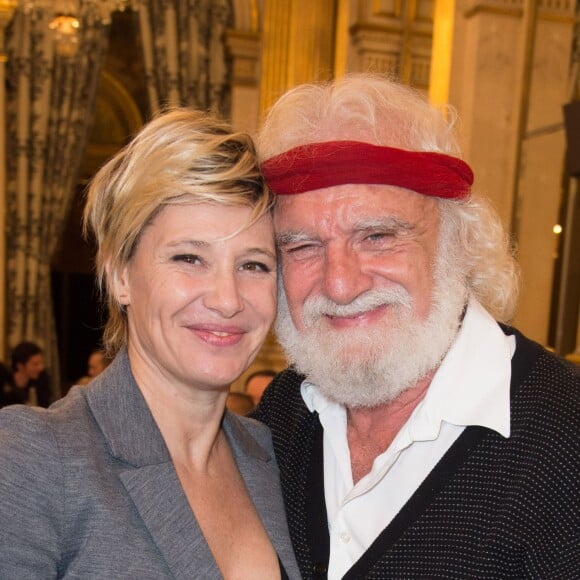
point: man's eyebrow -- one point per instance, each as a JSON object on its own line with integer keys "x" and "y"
{"x": 389, "y": 223}
{"x": 293, "y": 237}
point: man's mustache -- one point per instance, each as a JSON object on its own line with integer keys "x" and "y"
{"x": 321, "y": 306}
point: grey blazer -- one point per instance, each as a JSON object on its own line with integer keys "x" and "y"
{"x": 88, "y": 489}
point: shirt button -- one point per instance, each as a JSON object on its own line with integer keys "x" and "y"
{"x": 344, "y": 538}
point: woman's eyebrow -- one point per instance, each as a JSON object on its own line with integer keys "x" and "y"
{"x": 188, "y": 242}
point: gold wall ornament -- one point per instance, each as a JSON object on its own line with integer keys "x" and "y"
{"x": 65, "y": 28}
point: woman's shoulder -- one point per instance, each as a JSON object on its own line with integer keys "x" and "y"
{"x": 256, "y": 428}
{"x": 20, "y": 423}
{"x": 30, "y": 459}
{"x": 251, "y": 435}
{"x": 35, "y": 430}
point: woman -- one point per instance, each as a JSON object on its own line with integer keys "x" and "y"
{"x": 142, "y": 474}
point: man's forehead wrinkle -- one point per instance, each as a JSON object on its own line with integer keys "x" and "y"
{"x": 346, "y": 210}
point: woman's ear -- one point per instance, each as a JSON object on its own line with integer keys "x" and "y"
{"x": 119, "y": 285}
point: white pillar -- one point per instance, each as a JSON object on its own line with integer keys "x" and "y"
{"x": 509, "y": 81}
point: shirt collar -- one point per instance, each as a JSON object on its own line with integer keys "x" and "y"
{"x": 471, "y": 387}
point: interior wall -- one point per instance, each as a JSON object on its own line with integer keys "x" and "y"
{"x": 275, "y": 44}
{"x": 509, "y": 81}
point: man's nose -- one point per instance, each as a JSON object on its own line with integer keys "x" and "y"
{"x": 344, "y": 275}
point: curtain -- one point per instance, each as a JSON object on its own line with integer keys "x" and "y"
{"x": 50, "y": 98}
{"x": 184, "y": 53}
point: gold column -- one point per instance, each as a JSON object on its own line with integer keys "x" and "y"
{"x": 440, "y": 73}
{"x": 297, "y": 45}
{"x": 342, "y": 38}
{"x": 7, "y": 8}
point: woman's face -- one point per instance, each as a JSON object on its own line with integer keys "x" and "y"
{"x": 199, "y": 300}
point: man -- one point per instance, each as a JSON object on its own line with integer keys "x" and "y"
{"x": 240, "y": 403}
{"x": 416, "y": 437}
{"x": 26, "y": 383}
{"x": 257, "y": 382}
{"x": 97, "y": 362}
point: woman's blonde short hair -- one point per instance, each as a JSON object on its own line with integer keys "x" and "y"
{"x": 182, "y": 156}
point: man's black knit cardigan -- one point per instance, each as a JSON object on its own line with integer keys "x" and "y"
{"x": 491, "y": 508}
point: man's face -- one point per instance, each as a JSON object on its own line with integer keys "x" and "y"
{"x": 366, "y": 299}
{"x": 345, "y": 241}
{"x": 96, "y": 365}
{"x": 33, "y": 366}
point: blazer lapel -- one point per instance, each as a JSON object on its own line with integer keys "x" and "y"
{"x": 261, "y": 477}
{"x": 149, "y": 477}
{"x": 163, "y": 507}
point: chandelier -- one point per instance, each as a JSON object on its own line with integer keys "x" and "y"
{"x": 65, "y": 17}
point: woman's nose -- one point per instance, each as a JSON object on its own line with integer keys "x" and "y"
{"x": 224, "y": 295}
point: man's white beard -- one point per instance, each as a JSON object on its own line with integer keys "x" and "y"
{"x": 365, "y": 367}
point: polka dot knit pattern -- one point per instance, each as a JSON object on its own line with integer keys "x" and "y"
{"x": 492, "y": 508}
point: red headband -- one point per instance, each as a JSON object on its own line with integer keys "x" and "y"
{"x": 319, "y": 165}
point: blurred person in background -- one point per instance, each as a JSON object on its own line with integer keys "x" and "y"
{"x": 256, "y": 383}
{"x": 240, "y": 403}
{"x": 26, "y": 382}
{"x": 97, "y": 362}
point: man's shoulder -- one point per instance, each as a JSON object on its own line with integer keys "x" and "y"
{"x": 534, "y": 365}
{"x": 545, "y": 393}
{"x": 285, "y": 386}
{"x": 288, "y": 380}
{"x": 282, "y": 401}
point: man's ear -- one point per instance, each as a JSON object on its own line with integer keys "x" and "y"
{"x": 119, "y": 283}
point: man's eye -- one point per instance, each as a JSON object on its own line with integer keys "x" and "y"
{"x": 377, "y": 236}
{"x": 380, "y": 236}
{"x": 298, "y": 249}
{"x": 187, "y": 258}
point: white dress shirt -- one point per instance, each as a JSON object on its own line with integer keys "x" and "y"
{"x": 471, "y": 387}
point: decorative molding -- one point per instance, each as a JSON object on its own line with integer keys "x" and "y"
{"x": 377, "y": 49}
{"x": 246, "y": 15}
{"x": 555, "y": 10}
{"x": 395, "y": 37}
{"x": 387, "y": 8}
{"x": 244, "y": 51}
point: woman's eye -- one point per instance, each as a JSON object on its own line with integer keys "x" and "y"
{"x": 187, "y": 258}
{"x": 256, "y": 267}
